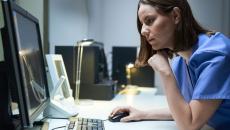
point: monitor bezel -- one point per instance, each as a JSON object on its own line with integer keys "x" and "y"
{"x": 13, "y": 60}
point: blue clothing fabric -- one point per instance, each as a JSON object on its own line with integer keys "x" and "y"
{"x": 207, "y": 76}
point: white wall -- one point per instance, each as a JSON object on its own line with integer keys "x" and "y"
{"x": 213, "y": 14}
{"x": 68, "y": 22}
{"x": 226, "y": 17}
{"x": 119, "y": 23}
{"x": 95, "y": 17}
{"x": 36, "y": 8}
{"x": 114, "y": 23}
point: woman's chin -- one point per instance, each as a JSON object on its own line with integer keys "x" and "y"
{"x": 156, "y": 48}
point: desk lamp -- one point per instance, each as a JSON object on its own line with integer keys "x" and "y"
{"x": 80, "y": 45}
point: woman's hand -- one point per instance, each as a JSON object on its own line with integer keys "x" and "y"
{"x": 159, "y": 62}
{"x": 134, "y": 114}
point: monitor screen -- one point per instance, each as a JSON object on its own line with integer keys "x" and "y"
{"x": 31, "y": 62}
{"x": 23, "y": 52}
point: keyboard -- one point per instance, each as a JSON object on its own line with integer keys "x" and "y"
{"x": 86, "y": 124}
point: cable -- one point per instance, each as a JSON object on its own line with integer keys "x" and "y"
{"x": 105, "y": 120}
{"x": 58, "y": 118}
{"x": 58, "y": 127}
{"x": 50, "y": 117}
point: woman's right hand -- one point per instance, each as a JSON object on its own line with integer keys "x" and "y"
{"x": 159, "y": 62}
{"x": 134, "y": 114}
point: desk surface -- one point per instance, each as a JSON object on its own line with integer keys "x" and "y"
{"x": 146, "y": 100}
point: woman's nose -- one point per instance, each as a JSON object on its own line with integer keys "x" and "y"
{"x": 144, "y": 31}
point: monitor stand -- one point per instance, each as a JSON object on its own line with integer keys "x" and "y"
{"x": 59, "y": 106}
{"x": 62, "y": 103}
{"x": 44, "y": 126}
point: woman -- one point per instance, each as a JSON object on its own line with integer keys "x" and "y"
{"x": 197, "y": 85}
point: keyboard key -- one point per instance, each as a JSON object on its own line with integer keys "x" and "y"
{"x": 100, "y": 128}
{"x": 79, "y": 127}
{"x": 89, "y": 128}
{"x": 71, "y": 125}
{"x": 84, "y": 128}
{"x": 94, "y": 128}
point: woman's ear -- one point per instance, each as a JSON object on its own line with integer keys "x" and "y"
{"x": 176, "y": 13}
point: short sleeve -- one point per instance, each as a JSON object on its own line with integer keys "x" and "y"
{"x": 212, "y": 71}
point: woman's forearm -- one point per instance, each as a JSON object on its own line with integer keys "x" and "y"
{"x": 188, "y": 116}
{"x": 157, "y": 114}
{"x": 180, "y": 110}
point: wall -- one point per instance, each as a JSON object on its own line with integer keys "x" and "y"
{"x": 68, "y": 22}
{"x": 95, "y": 18}
{"x": 226, "y": 17}
{"x": 36, "y": 8}
{"x": 212, "y": 14}
{"x": 114, "y": 23}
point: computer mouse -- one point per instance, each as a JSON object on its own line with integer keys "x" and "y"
{"x": 117, "y": 117}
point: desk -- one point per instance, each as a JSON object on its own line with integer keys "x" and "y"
{"x": 147, "y": 99}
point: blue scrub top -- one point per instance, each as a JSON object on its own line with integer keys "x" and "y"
{"x": 207, "y": 75}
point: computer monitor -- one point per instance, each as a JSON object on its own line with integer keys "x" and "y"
{"x": 25, "y": 63}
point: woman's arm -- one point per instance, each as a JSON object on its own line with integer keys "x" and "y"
{"x": 157, "y": 114}
{"x": 188, "y": 116}
{"x": 136, "y": 115}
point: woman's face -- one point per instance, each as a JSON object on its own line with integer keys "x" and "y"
{"x": 158, "y": 29}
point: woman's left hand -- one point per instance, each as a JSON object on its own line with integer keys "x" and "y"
{"x": 159, "y": 62}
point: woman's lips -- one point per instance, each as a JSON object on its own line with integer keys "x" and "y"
{"x": 150, "y": 40}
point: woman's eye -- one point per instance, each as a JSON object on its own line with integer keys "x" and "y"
{"x": 149, "y": 21}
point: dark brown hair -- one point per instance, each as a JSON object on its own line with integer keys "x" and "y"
{"x": 186, "y": 33}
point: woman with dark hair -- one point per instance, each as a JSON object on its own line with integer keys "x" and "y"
{"x": 197, "y": 84}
